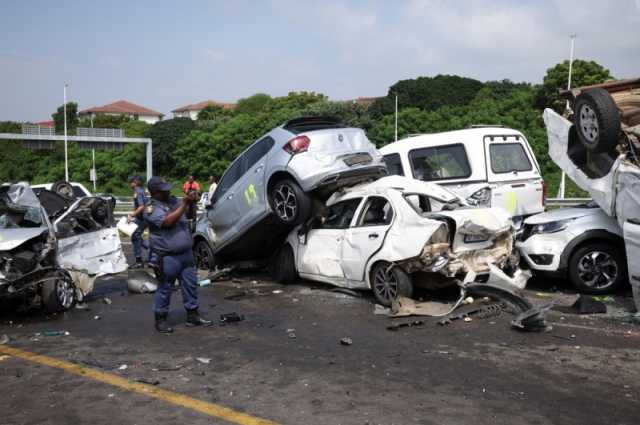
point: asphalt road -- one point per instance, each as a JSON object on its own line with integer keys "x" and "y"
{"x": 285, "y": 363}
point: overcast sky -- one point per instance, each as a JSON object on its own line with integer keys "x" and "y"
{"x": 165, "y": 54}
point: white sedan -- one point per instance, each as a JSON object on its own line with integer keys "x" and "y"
{"x": 393, "y": 233}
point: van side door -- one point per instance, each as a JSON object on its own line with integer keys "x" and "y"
{"x": 513, "y": 175}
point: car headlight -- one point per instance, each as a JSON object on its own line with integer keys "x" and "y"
{"x": 475, "y": 238}
{"x": 480, "y": 198}
{"x": 550, "y": 227}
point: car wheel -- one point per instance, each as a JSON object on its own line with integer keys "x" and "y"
{"x": 289, "y": 203}
{"x": 597, "y": 268}
{"x": 203, "y": 255}
{"x": 58, "y": 293}
{"x": 284, "y": 270}
{"x": 597, "y": 120}
{"x": 389, "y": 282}
{"x": 63, "y": 188}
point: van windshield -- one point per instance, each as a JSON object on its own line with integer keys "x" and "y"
{"x": 440, "y": 163}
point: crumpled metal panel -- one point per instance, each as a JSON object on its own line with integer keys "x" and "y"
{"x": 93, "y": 253}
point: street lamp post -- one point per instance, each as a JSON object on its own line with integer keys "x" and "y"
{"x": 561, "y": 189}
{"x": 66, "y": 154}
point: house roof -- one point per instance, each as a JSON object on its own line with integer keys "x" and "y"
{"x": 46, "y": 123}
{"x": 122, "y": 107}
{"x": 201, "y": 105}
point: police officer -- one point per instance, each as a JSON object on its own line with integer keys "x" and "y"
{"x": 171, "y": 251}
{"x": 137, "y": 217}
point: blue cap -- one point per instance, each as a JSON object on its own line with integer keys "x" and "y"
{"x": 158, "y": 184}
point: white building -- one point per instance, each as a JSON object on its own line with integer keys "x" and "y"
{"x": 125, "y": 108}
{"x": 192, "y": 110}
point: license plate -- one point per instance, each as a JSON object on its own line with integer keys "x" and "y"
{"x": 361, "y": 158}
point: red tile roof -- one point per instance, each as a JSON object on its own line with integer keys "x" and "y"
{"x": 122, "y": 107}
{"x": 201, "y": 105}
{"x": 46, "y": 123}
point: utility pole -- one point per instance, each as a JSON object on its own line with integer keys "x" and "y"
{"x": 571, "y": 50}
{"x": 396, "y": 126}
{"x": 66, "y": 154}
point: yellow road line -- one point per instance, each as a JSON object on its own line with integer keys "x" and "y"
{"x": 209, "y": 409}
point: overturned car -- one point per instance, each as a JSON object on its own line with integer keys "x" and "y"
{"x": 52, "y": 247}
{"x": 395, "y": 233}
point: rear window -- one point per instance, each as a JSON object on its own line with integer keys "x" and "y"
{"x": 508, "y": 157}
{"x": 394, "y": 164}
{"x": 440, "y": 163}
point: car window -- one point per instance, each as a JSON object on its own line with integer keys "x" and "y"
{"x": 394, "y": 164}
{"x": 258, "y": 150}
{"x": 440, "y": 163}
{"x": 340, "y": 215}
{"x": 230, "y": 177}
{"x": 376, "y": 212}
{"x": 508, "y": 157}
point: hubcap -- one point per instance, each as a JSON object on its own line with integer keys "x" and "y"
{"x": 285, "y": 203}
{"x": 589, "y": 123}
{"x": 597, "y": 269}
{"x": 385, "y": 284}
{"x": 65, "y": 293}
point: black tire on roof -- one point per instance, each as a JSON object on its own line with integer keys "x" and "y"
{"x": 597, "y": 120}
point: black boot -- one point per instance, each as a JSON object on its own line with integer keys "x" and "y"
{"x": 162, "y": 325}
{"x": 194, "y": 319}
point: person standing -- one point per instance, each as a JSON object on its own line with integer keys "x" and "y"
{"x": 191, "y": 186}
{"x": 213, "y": 185}
{"x": 172, "y": 253}
{"x": 136, "y": 216}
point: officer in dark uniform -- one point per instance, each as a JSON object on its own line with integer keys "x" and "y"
{"x": 139, "y": 202}
{"x": 171, "y": 252}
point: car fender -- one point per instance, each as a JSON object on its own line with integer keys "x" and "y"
{"x": 597, "y": 234}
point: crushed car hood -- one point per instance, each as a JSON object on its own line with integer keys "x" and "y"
{"x": 13, "y": 238}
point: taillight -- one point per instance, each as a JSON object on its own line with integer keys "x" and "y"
{"x": 544, "y": 193}
{"x": 297, "y": 145}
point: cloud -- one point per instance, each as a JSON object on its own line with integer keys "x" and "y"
{"x": 213, "y": 55}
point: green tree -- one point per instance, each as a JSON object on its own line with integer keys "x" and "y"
{"x": 213, "y": 113}
{"x": 72, "y": 118}
{"x": 252, "y": 104}
{"x": 165, "y": 135}
{"x": 583, "y": 73}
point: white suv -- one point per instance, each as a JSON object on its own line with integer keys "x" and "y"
{"x": 489, "y": 166}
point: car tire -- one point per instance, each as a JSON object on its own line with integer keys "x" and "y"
{"x": 389, "y": 282}
{"x": 63, "y": 188}
{"x": 284, "y": 270}
{"x": 203, "y": 254}
{"x": 597, "y": 120}
{"x": 597, "y": 268}
{"x": 289, "y": 203}
{"x": 58, "y": 293}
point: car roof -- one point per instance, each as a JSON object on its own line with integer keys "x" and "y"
{"x": 447, "y": 137}
{"x": 305, "y": 124}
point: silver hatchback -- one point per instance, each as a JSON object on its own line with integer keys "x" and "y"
{"x": 270, "y": 187}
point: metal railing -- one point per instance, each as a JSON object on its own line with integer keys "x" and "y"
{"x": 566, "y": 202}
{"x": 99, "y": 132}
{"x": 36, "y": 130}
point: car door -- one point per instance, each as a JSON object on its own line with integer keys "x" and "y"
{"x": 513, "y": 175}
{"x": 366, "y": 237}
{"x": 251, "y": 197}
{"x": 320, "y": 255}
{"x": 223, "y": 213}
{"x": 631, "y": 230}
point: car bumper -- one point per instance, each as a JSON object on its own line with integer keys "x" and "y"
{"x": 543, "y": 252}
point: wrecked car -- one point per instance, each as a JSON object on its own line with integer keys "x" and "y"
{"x": 490, "y": 166}
{"x": 583, "y": 245}
{"x": 394, "y": 233}
{"x": 270, "y": 187}
{"x": 598, "y": 147}
{"x": 53, "y": 248}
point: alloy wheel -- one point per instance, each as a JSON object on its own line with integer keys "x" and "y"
{"x": 285, "y": 203}
{"x": 65, "y": 293}
{"x": 589, "y": 123}
{"x": 597, "y": 269}
{"x": 385, "y": 284}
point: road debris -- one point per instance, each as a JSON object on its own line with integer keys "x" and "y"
{"x": 107, "y": 300}
{"x": 204, "y": 282}
{"x": 96, "y": 317}
{"x": 346, "y": 341}
{"x": 203, "y": 360}
{"x": 219, "y": 273}
{"x": 141, "y": 282}
{"x": 123, "y": 367}
{"x": 231, "y": 317}
{"x": 54, "y": 333}
{"x": 153, "y": 382}
{"x": 4, "y": 339}
{"x": 589, "y": 305}
{"x": 532, "y": 320}
{"x": 411, "y": 324}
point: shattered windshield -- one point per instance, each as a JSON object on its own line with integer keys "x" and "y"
{"x": 19, "y": 207}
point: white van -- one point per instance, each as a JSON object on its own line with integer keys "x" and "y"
{"x": 487, "y": 165}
